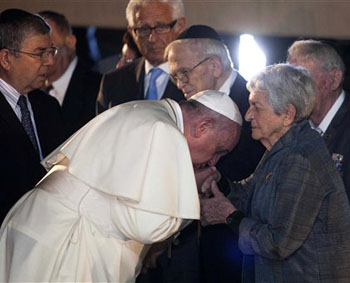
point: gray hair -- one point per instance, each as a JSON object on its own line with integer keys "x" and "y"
{"x": 286, "y": 84}
{"x": 17, "y": 25}
{"x": 59, "y": 19}
{"x": 204, "y": 47}
{"x": 318, "y": 52}
{"x": 177, "y": 6}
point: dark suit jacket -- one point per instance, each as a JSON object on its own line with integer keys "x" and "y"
{"x": 127, "y": 84}
{"x": 20, "y": 166}
{"x": 337, "y": 139}
{"x": 79, "y": 104}
{"x": 220, "y": 255}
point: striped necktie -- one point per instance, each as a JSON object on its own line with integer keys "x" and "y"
{"x": 152, "y": 93}
{"x": 27, "y": 121}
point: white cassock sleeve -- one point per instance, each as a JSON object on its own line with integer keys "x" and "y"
{"x": 143, "y": 226}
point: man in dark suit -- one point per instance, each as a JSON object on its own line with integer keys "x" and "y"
{"x": 331, "y": 114}
{"x": 71, "y": 82}
{"x": 199, "y": 60}
{"x": 31, "y": 123}
{"x": 153, "y": 25}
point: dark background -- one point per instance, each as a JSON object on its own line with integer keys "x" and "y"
{"x": 109, "y": 42}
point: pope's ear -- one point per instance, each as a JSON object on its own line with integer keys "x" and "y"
{"x": 203, "y": 127}
{"x": 289, "y": 115}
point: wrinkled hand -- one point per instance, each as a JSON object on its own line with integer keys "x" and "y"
{"x": 215, "y": 209}
{"x": 150, "y": 260}
{"x": 202, "y": 175}
{"x": 205, "y": 189}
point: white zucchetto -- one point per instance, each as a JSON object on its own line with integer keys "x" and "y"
{"x": 220, "y": 103}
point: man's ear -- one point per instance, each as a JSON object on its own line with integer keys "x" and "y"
{"x": 217, "y": 66}
{"x": 180, "y": 25}
{"x": 71, "y": 41}
{"x": 289, "y": 115}
{"x": 5, "y": 59}
{"x": 203, "y": 127}
{"x": 336, "y": 79}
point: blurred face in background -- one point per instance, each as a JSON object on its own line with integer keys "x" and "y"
{"x": 65, "y": 43}
{"x": 128, "y": 56}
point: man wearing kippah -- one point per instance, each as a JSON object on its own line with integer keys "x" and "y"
{"x": 127, "y": 179}
{"x": 199, "y": 60}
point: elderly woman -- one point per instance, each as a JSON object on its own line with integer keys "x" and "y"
{"x": 292, "y": 214}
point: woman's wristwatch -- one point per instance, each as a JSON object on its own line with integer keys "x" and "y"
{"x": 234, "y": 219}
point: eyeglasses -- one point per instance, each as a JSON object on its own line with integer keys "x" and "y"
{"x": 161, "y": 28}
{"x": 43, "y": 55}
{"x": 183, "y": 76}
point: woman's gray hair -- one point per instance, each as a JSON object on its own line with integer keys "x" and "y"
{"x": 204, "y": 48}
{"x": 318, "y": 51}
{"x": 178, "y": 10}
{"x": 286, "y": 84}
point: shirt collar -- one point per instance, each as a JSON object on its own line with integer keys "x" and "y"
{"x": 10, "y": 93}
{"x": 164, "y": 66}
{"x": 226, "y": 87}
{"x": 322, "y": 127}
{"x": 61, "y": 84}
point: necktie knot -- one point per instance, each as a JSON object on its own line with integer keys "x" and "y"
{"x": 155, "y": 73}
{"x": 152, "y": 92}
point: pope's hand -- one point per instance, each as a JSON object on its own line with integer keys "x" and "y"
{"x": 215, "y": 209}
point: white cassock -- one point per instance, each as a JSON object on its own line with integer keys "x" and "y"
{"x": 123, "y": 181}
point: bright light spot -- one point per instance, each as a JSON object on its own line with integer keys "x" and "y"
{"x": 251, "y": 58}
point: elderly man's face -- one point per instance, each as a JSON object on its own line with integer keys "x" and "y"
{"x": 212, "y": 145}
{"x": 267, "y": 126}
{"x": 27, "y": 72}
{"x": 320, "y": 77}
{"x": 66, "y": 50}
{"x": 195, "y": 71}
{"x": 153, "y": 45}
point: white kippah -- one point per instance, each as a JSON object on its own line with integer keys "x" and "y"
{"x": 220, "y": 103}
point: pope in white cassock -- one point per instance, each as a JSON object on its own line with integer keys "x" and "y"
{"x": 125, "y": 180}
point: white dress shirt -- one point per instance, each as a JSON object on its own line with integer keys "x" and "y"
{"x": 226, "y": 87}
{"x": 323, "y": 126}
{"x": 60, "y": 86}
{"x": 161, "y": 81}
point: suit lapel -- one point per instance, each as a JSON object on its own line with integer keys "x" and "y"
{"x": 72, "y": 97}
{"x": 338, "y": 119}
{"x": 13, "y": 126}
{"x": 171, "y": 91}
{"x": 140, "y": 78}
